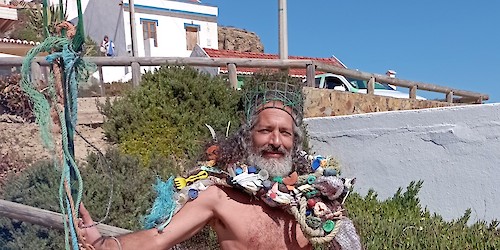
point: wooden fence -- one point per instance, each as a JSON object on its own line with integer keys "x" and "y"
{"x": 46, "y": 218}
{"x": 311, "y": 67}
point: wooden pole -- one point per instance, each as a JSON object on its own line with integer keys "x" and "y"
{"x": 133, "y": 32}
{"x": 310, "y": 73}
{"x": 136, "y": 74}
{"x": 233, "y": 76}
{"x": 413, "y": 92}
{"x": 449, "y": 97}
{"x": 46, "y": 218}
{"x": 370, "y": 89}
{"x": 101, "y": 81}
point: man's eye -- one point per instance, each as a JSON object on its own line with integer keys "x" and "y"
{"x": 286, "y": 133}
{"x": 264, "y": 131}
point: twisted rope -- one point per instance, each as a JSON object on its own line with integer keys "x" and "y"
{"x": 315, "y": 236}
{"x": 69, "y": 71}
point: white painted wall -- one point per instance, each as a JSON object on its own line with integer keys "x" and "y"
{"x": 454, "y": 150}
{"x": 8, "y": 13}
{"x": 171, "y": 32}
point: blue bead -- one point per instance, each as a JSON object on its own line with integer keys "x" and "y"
{"x": 308, "y": 212}
{"x": 193, "y": 194}
{"x": 238, "y": 171}
{"x": 316, "y": 164}
{"x": 252, "y": 170}
{"x": 267, "y": 184}
{"x": 330, "y": 172}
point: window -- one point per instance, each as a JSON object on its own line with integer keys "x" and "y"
{"x": 363, "y": 84}
{"x": 149, "y": 30}
{"x": 191, "y": 35}
{"x": 317, "y": 82}
{"x": 333, "y": 82}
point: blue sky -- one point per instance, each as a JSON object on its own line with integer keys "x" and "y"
{"x": 449, "y": 43}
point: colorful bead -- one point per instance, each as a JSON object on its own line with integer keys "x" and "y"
{"x": 308, "y": 212}
{"x": 252, "y": 170}
{"x": 311, "y": 194}
{"x": 328, "y": 226}
{"x": 193, "y": 194}
{"x": 278, "y": 179}
{"x": 267, "y": 184}
{"x": 330, "y": 172}
{"x": 311, "y": 203}
{"x": 313, "y": 222}
{"x": 315, "y": 164}
{"x": 311, "y": 179}
{"x": 238, "y": 171}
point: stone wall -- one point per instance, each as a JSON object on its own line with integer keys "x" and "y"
{"x": 325, "y": 102}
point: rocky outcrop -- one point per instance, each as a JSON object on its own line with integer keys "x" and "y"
{"x": 231, "y": 38}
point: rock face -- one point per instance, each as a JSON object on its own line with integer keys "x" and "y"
{"x": 231, "y": 38}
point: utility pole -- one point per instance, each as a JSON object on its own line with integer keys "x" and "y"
{"x": 133, "y": 32}
{"x": 136, "y": 68}
{"x": 283, "y": 29}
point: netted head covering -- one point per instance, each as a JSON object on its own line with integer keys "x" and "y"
{"x": 273, "y": 94}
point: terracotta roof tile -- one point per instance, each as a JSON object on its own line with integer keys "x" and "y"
{"x": 214, "y": 53}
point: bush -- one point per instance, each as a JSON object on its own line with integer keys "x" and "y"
{"x": 37, "y": 186}
{"x": 132, "y": 196}
{"x": 167, "y": 113}
{"x": 401, "y": 223}
{"x": 13, "y": 100}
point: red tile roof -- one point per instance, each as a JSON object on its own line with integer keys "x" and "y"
{"x": 214, "y": 53}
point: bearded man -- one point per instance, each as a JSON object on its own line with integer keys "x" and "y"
{"x": 263, "y": 159}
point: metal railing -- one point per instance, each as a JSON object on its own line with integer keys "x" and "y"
{"x": 311, "y": 67}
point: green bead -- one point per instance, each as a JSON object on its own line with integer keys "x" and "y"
{"x": 328, "y": 226}
{"x": 313, "y": 222}
{"x": 311, "y": 193}
{"x": 278, "y": 179}
{"x": 311, "y": 179}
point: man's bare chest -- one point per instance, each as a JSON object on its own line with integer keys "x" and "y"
{"x": 249, "y": 223}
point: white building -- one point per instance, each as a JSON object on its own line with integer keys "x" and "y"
{"x": 165, "y": 28}
{"x": 171, "y": 28}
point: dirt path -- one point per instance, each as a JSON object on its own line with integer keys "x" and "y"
{"x": 22, "y": 140}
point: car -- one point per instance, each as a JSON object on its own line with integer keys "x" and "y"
{"x": 341, "y": 83}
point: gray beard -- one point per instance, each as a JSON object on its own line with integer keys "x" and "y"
{"x": 275, "y": 167}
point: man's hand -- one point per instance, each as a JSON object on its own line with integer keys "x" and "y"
{"x": 90, "y": 232}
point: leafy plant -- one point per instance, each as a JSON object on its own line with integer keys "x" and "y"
{"x": 401, "y": 223}
{"x": 132, "y": 196}
{"x": 167, "y": 113}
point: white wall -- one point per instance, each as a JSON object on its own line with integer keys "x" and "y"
{"x": 171, "y": 33}
{"x": 454, "y": 150}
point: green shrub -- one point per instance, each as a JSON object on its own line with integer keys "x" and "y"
{"x": 167, "y": 113}
{"x": 37, "y": 186}
{"x": 401, "y": 223}
{"x": 132, "y": 196}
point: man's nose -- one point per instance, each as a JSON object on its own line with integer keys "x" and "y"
{"x": 275, "y": 139}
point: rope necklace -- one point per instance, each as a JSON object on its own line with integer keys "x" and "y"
{"x": 314, "y": 199}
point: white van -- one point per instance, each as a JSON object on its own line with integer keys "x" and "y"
{"x": 341, "y": 83}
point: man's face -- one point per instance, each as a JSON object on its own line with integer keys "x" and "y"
{"x": 272, "y": 142}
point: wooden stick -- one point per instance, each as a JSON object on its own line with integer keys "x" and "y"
{"x": 47, "y": 218}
